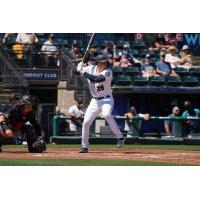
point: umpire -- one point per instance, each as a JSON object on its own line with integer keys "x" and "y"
{"x": 16, "y": 121}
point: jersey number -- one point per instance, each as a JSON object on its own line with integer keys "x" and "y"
{"x": 99, "y": 88}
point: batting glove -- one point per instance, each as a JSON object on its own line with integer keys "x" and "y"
{"x": 80, "y": 67}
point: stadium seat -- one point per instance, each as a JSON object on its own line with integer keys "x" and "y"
{"x": 174, "y": 80}
{"x": 143, "y": 53}
{"x": 42, "y": 40}
{"x": 139, "y": 45}
{"x": 132, "y": 71}
{"x": 181, "y": 71}
{"x": 195, "y": 71}
{"x": 123, "y": 80}
{"x": 190, "y": 80}
{"x": 117, "y": 70}
{"x": 139, "y": 80}
{"x": 135, "y": 53}
{"x": 158, "y": 80}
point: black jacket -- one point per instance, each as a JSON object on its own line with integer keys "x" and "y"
{"x": 17, "y": 120}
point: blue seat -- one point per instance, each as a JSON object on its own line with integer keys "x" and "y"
{"x": 190, "y": 80}
{"x": 157, "y": 80}
{"x": 195, "y": 71}
{"x": 117, "y": 70}
{"x": 174, "y": 80}
{"x": 182, "y": 71}
{"x": 141, "y": 81}
{"x": 123, "y": 80}
{"x": 132, "y": 71}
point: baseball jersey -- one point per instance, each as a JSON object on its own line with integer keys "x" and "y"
{"x": 99, "y": 89}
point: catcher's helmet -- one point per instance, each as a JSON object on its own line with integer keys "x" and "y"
{"x": 26, "y": 99}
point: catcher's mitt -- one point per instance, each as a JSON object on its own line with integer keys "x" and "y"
{"x": 39, "y": 146}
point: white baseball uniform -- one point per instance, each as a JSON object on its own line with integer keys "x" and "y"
{"x": 102, "y": 101}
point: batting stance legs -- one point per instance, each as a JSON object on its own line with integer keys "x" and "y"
{"x": 95, "y": 108}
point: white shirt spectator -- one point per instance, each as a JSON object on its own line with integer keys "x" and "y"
{"x": 23, "y": 38}
{"x": 173, "y": 60}
{"x": 48, "y": 47}
{"x": 75, "y": 111}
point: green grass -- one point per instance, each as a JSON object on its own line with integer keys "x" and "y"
{"x": 23, "y": 162}
{"x": 129, "y": 146}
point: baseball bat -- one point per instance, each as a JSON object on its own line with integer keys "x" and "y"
{"x": 88, "y": 47}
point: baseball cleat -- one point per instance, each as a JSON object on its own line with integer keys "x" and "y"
{"x": 83, "y": 150}
{"x": 120, "y": 142}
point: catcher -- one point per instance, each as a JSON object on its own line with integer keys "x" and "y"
{"x": 21, "y": 118}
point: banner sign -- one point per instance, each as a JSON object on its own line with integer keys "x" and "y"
{"x": 179, "y": 37}
{"x": 139, "y": 36}
{"x": 42, "y": 76}
{"x": 193, "y": 41}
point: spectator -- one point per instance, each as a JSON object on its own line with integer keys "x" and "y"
{"x": 90, "y": 57}
{"x": 108, "y": 50}
{"x": 186, "y": 57}
{"x": 164, "y": 68}
{"x": 18, "y": 50}
{"x": 116, "y": 61}
{"x": 50, "y": 52}
{"x": 126, "y": 61}
{"x": 31, "y": 43}
{"x": 128, "y": 122}
{"x": 126, "y": 52}
{"x": 9, "y": 38}
{"x": 191, "y": 126}
{"x": 170, "y": 126}
{"x": 63, "y": 125}
{"x": 170, "y": 39}
{"x": 24, "y": 38}
{"x": 171, "y": 58}
{"x": 148, "y": 69}
{"x": 91, "y": 61}
{"x": 75, "y": 53}
{"x": 13, "y": 101}
{"x": 76, "y": 112}
{"x": 160, "y": 43}
{"x": 29, "y": 50}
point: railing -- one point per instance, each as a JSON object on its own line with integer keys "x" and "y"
{"x": 33, "y": 58}
{"x": 68, "y": 72}
{"x": 11, "y": 75}
{"x": 135, "y": 123}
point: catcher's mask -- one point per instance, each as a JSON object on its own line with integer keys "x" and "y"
{"x": 29, "y": 99}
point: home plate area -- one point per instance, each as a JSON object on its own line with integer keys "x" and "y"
{"x": 173, "y": 156}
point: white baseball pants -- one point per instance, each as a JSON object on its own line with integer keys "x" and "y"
{"x": 96, "y": 107}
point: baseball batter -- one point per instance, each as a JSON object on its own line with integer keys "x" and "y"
{"x": 99, "y": 78}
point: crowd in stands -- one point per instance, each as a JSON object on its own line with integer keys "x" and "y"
{"x": 26, "y": 46}
{"x": 160, "y": 59}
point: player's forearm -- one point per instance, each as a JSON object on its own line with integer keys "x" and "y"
{"x": 93, "y": 78}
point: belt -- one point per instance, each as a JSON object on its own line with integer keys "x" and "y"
{"x": 99, "y": 98}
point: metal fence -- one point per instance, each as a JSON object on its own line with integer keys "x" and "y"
{"x": 179, "y": 124}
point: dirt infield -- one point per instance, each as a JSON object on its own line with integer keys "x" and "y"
{"x": 169, "y": 156}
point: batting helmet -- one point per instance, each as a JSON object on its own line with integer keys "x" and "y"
{"x": 101, "y": 58}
